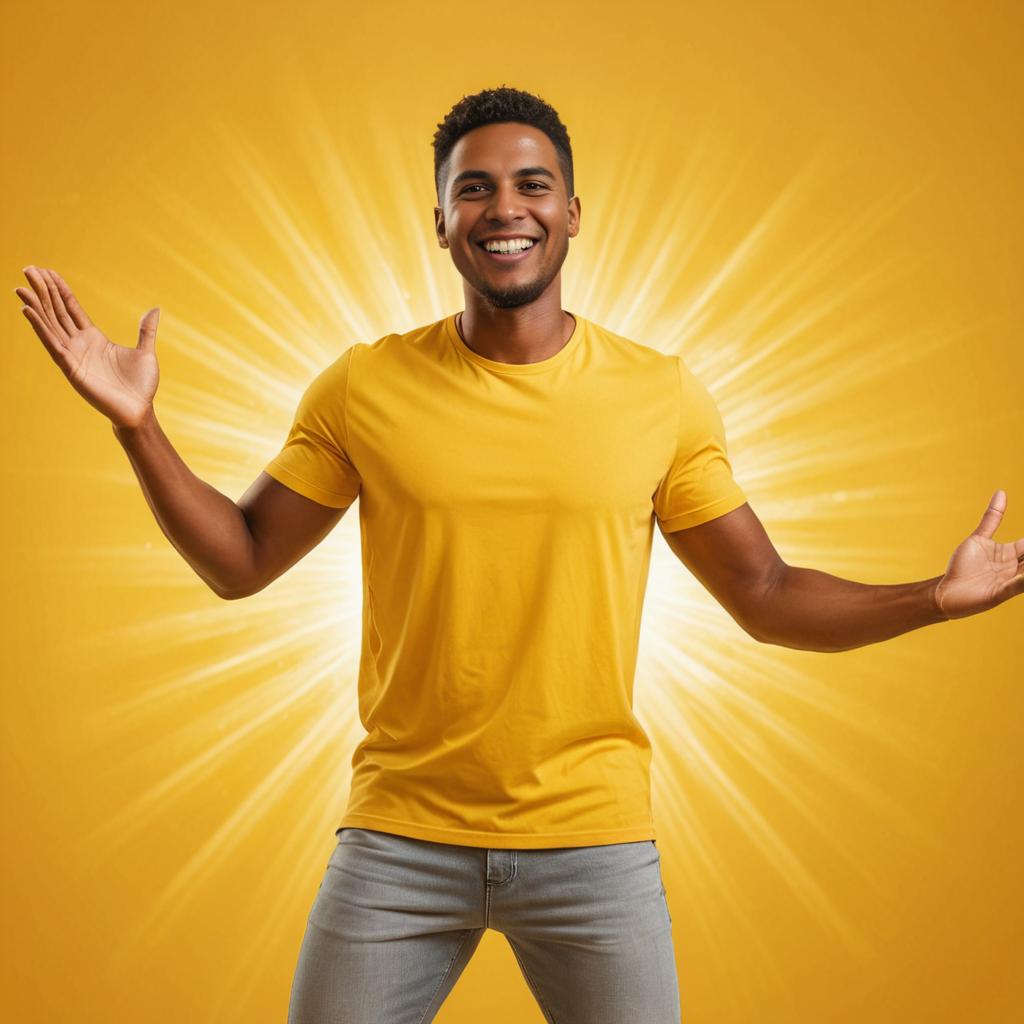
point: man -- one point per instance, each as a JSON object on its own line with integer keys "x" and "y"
{"x": 511, "y": 461}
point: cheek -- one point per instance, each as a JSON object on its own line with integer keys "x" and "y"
{"x": 554, "y": 221}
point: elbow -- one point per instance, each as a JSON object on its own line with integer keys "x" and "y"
{"x": 243, "y": 584}
{"x": 748, "y": 622}
{"x": 240, "y": 583}
{"x": 236, "y": 593}
{"x": 759, "y": 612}
{"x": 755, "y": 632}
{"x": 233, "y": 593}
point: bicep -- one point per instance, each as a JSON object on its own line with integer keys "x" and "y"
{"x": 733, "y": 557}
{"x": 284, "y": 525}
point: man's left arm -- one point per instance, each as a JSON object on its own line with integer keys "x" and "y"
{"x": 810, "y": 610}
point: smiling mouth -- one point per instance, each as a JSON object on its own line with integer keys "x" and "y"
{"x": 508, "y": 257}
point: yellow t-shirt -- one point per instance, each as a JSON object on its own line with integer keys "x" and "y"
{"x": 506, "y": 516}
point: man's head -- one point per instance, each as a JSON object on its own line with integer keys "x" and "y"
{"x": 503, "y": 167}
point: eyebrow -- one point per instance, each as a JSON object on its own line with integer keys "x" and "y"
{"x": 523, "y": 172}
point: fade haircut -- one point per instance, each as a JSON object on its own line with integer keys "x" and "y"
{"x": 492, "y": 106}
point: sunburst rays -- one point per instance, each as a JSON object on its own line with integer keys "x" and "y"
{"x": 366, "y": 256}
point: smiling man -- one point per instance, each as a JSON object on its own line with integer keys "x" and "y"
{"x": 511, "y": 260}
{"x": 511, "y": 462}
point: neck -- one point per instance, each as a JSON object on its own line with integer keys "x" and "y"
{"x": 522, "y": 334}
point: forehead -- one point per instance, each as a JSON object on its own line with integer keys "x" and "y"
{"x": 505, "y": 142}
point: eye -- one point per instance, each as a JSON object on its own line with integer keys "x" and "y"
{"x": 539, "y": 186}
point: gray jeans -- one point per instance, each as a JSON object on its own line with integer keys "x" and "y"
{"x": 396, "y": 920}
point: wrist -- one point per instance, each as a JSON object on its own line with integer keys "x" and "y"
{"x": 146, "y": 421}
{"x": 139, "y": 433}
{"x": 935, "y": 593}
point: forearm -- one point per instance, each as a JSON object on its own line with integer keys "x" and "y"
{"x": 206, "y": 527}
{"x": 811, "y": 610}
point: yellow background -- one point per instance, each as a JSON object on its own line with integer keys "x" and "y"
{"x": 819, "y": 205}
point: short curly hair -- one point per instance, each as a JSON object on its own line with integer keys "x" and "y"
{"x": 492, "y": 106}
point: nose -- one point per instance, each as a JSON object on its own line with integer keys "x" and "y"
{"x": 506, "y": 204}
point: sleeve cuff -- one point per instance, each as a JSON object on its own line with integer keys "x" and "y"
{"x": 306, "y": 489}
{"x": 705, "y": 513}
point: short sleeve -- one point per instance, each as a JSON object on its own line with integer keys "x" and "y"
{"x": 315, "y": 458}
{"x": 699, "y": 484}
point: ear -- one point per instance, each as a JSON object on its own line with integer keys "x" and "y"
{"x": 442, "y": 236}
{"x": 574, "y": 216}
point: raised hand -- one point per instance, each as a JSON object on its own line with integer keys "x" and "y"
{"x": 117, "y": 380}
{"x": 982, "y": 572}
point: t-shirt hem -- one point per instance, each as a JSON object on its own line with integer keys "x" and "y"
{"x": 713, "y": 510}
{"x": 305, "y": 488}
{"x": 498, "y": 840}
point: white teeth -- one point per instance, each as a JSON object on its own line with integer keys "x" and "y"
{"x": 515, "y": 245}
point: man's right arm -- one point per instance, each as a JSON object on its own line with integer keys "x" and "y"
{"x": 235, "y": 548}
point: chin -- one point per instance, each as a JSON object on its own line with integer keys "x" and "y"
{"x": 511, "y": 301}
{"x": 513, "y": 295}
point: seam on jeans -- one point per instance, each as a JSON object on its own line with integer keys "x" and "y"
{"x": 447, "y": 971}
{"x": 533, "y": 985}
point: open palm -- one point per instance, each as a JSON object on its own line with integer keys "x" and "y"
{"x": 982, "y": 572}
{"x": 117, "y": 380}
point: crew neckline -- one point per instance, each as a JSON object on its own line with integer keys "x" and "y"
{"x": 541, "y": 366}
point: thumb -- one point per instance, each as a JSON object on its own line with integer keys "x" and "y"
{"x": 993, "y": 515}
{"x": 147, "y": 330}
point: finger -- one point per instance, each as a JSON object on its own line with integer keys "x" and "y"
{"x": 993, "y": 515}
{"x": 77, "y": 313}
{"x": 147, "y": 330}
{"x": 43, "y": 294}
{"x": 56, "y": 307}
{"x": 63, "y": 317}
{"x": 54, "y": 345}
{"x": 30, "y": 298}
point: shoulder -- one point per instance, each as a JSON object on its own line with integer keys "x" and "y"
{"x": 397, "y": 347}
{"x": 634, "y": 354}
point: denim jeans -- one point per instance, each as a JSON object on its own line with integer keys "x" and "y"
{"x": 396, "y": 920}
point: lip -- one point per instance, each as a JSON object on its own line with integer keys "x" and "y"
{"x": 508, "y": 257}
